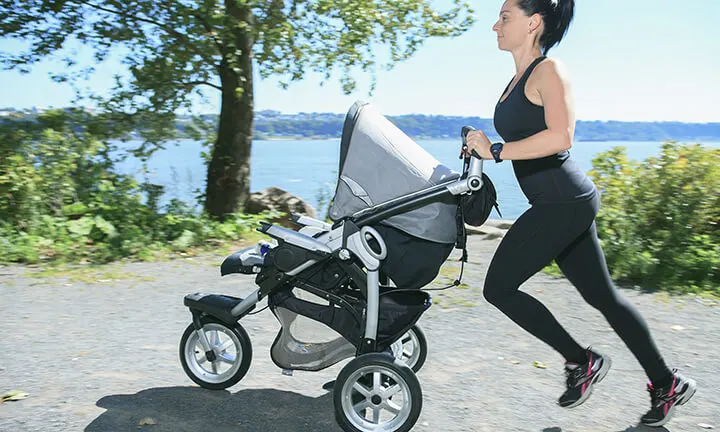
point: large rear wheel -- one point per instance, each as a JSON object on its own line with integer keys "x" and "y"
{"x": 375, "y": 392}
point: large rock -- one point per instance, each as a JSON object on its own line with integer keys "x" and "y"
{"x": 274, "y": 198}
{"x": 488, "y": 232}
{"x": 491, "y": 229}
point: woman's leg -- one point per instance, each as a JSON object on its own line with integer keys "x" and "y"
{"x": 583, "y": 263}
{"x": 532, "y": 242}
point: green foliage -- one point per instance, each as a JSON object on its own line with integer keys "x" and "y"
{"x": 326, "y": 34}
{"x": 61, "y": 200}
{"x": 659, "y": 219}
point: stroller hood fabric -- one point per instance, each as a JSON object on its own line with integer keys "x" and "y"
{"x": 378, "y": 162}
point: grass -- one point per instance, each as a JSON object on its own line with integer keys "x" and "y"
{"x": 95, "y": 274}
{"x": 104, "y": 273}
{"x": 459, "y": 296}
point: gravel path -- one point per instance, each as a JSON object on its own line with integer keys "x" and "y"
{"x": 97, "y": 351}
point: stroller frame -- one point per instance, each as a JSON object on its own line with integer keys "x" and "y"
{"x": 350, "y": 236}
{"x": 348, "y": 242}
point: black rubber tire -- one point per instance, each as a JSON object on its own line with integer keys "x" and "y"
{"x": 245, "y": 346}
{"x": 380, "y": 361}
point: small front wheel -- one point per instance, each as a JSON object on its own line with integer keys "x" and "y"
{"x": 231, "y": 349}
{"x": 411, "y": 348}
{"x": 375, "y": 392}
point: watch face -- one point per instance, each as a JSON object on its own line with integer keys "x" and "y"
{"x": 495, "y": 149}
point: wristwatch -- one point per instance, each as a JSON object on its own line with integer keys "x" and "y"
{"x": 495, "y": 149}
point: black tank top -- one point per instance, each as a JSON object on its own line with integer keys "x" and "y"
{"x": 554, "y": 178}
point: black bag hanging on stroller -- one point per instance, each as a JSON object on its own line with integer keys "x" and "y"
{"x": 476, "y": 207}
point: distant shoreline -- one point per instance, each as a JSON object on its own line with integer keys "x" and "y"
{"x": 700, "y": 140}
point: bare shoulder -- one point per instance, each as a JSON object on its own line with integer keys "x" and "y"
{"x": 551, "y": 70}
{"x": 550, "y": 76}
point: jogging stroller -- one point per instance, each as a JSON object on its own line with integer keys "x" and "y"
{"x": 346, "y": 289}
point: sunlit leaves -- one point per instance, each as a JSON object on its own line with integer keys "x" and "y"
{"x": 659, "y": 219}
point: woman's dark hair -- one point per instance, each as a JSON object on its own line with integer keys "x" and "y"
{"x": 557, "y": 15}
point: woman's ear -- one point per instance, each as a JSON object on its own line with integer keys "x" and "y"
{"x": 534, "y": 23}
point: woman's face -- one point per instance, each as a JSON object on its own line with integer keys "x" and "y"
{"x": 513, "y": 27}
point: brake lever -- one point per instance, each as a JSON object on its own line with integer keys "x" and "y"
{"x": 463, "y": 134}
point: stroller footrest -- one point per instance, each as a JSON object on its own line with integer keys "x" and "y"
{"x": 219, "y": 306}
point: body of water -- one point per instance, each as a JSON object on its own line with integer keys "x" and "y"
{"x": 308, "y": 168}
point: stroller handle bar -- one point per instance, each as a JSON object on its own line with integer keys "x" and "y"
{"x": 474, "y": 167}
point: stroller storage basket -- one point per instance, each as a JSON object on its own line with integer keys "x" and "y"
{"x": 399, "y": 310}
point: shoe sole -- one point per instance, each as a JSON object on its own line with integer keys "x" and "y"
{"x": 689, "y": 393}
{"x": 599, "y": 377}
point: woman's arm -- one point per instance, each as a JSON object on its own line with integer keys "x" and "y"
{"x": 552, "y": 87}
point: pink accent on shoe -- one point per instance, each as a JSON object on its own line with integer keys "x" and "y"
{"x": 672, "y": 388}
{"x": 589, "y": 371}
{"x": 667, "y": 406}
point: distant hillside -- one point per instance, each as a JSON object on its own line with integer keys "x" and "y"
{"x": 270, "y": 123}
{"x": 273, "y": 123}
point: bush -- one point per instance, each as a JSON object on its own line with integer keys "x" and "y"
{"x": 61, "y": 199}
{"x": 658, "y": 221}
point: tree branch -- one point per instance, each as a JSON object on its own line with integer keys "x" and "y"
{"x": 210, "y": 31}
{"x": 194, "y": 83}
{"x": 170, "y": 30}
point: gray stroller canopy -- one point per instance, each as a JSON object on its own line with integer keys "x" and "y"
{"x": 378, "y": 162}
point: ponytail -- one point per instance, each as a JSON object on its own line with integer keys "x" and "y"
{"x": 557, "y": 15}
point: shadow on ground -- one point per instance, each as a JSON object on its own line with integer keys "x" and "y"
{"x": 638, "y": 428}
{"x": 252, "y": 410}
{"x": 194, "y": 409}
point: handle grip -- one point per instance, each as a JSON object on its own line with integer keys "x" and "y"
{"x": 473, "y": 164}
{"x": 464, "y": 133}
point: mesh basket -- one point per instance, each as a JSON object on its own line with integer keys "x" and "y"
{"x": 305, "y": 340}
{"x": 315, "y": 334}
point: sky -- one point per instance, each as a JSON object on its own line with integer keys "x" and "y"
{"x": 638, "y": 60}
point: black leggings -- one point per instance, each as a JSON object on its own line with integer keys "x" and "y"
{"x": 566, "y": 233}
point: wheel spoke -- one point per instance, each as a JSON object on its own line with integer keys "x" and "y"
{"x": 392, "y": 407}
{"x": 214, "y": 367}
{"x": 361, "y": 389}
{"x": 377, "y": 376}
{"x": 226, "y": 345}
{"x": 362, "y": 406}
{"x": 211, "y": 335}
{"x": 376, "y": 415}
{"x": 226, "y": 358}
{"x": 392, "y": 391}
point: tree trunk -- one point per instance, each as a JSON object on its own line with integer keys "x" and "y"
{"x": 228, "y": 178}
